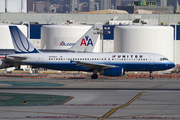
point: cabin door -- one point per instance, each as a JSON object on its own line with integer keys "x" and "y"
{"x": 151, "y": 59}
{"x": 40, "y": 59}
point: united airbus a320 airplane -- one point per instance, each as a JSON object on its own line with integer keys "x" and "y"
{"x": 108, "y": 64}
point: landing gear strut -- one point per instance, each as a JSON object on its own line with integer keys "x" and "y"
{"x": 151, "y": 77}
{"x": 94, "y": 76}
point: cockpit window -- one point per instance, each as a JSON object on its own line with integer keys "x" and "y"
{"x": 163, "y": 59}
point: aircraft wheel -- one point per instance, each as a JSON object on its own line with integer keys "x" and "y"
{"x": 94, "y": 76}
{"x": 151, "y": 77}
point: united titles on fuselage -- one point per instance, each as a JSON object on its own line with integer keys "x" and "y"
{"x": 129, "y": 56}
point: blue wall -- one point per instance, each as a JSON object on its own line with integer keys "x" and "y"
{"x": 35, "y": 31}
{"x": 111, "y": 35}
{"x": 177, "y": 31}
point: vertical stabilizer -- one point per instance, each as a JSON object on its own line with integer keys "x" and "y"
{"x": 20, "y": 42}
{"x": 88, "y": 41}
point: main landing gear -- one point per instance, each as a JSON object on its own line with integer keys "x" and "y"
{"x": 94, "y": 76}
{"x": 151, "y": 77}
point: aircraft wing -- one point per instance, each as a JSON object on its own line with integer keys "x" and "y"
{"x": 94, "y": 65}
{"x": 14, "y": 58}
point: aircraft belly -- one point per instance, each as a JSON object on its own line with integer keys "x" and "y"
{"x": 145, "y": 67}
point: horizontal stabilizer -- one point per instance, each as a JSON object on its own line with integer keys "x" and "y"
{"x": 14, "y": 58}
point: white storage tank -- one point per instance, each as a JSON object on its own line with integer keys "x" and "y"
{"x": 63, "y": 36}
{"x": 15, "y": 6}
{"x": 5, "y": 39}
{"x": 143, "y": 38}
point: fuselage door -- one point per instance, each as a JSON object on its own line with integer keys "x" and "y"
{"x": 151, "y": 59}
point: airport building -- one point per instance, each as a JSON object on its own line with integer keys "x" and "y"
{"x": 13, "y": 6}
{"x": 105, "y": 4}
{"x": 74, "y": 6}
{"x": 158, "y": 9}
{"x": 91, "y": 5}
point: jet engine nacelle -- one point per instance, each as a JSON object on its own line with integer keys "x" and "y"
{"x": 4, "y": 65}
{"x": 112, "y": 72}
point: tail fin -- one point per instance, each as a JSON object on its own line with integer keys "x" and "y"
{"x": 20, "y": 42}
{"x": 87, "y": 42}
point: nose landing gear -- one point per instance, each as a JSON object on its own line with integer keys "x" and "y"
{"x": 151, "y": 76}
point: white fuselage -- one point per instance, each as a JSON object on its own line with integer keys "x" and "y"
{"x": 129, "y": 61}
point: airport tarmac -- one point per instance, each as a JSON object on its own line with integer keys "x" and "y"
{"x": 94, "y": 99}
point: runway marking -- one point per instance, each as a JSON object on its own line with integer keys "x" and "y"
{"x": 67, "y": 100}
{"x": 49, "y": 113}
{"x": 51, "y": 116}
{"x": 113, "y": 110}
{"x": 156, "y": 117}
{"x": 92, "y": 104}
{"x": 143, "y": 115}
{"x": 156, "y": 100}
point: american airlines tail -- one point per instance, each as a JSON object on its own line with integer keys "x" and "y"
{"x": 88, "y": 41}
{"x": 20, "y": 42}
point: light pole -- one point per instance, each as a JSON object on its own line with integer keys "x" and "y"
{"x": 102, "y": 32}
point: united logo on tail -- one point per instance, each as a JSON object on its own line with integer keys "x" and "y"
{"x": 20, "y": 42}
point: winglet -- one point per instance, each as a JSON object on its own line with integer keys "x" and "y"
{"x": 20, "y": 42}
{"x": 88, "y": 41}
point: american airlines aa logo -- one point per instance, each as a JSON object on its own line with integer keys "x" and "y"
{"x": 86, "y": 42}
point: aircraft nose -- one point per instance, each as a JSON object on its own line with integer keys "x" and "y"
{"x": 171, "y": 65}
